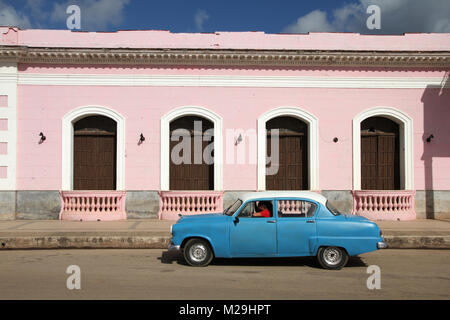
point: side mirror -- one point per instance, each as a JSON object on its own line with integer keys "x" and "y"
{"x": 236, "y": 220}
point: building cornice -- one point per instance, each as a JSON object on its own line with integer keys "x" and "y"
{"x": 216, "y": 57}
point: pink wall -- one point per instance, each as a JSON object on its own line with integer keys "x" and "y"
{"x": 3, "y": 148}
{"x": 3, "y": 172}
{"x": 3, "y": 101}
{"x": 41, "y": 108}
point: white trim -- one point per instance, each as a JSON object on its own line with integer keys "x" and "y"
{"x": 8, "y": 80}
{"x": 313, "y": 143}
{"x": 67, "y": 143}
{"x": 283, "y": 194}
{"x": 165, "y": 136}
{"x": 136, "y": 80}
{"x": 406, "y": 144}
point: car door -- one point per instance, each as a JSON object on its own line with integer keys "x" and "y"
{"x": 253, "y": 236}
{"x": 296, "y": 227}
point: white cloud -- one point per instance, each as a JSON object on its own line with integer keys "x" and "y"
{"x": 96, "y": 15}
{"x": 200, "y": 17}
{"x": 10, "y": 17}
{"x": 315, "y": 21}
{"x": 397, "y": 16}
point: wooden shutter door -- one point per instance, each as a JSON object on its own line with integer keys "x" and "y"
{"x": 193, "y": 176}
{"x": 379, "y": 162}
{"x": 94, "y": 151}
{"x": 380, "y": 154}
{"x": 369, "y": 162}
{"x": 94, "y": 162}
{"x": 386, "y": 162}
{"x": 293, "y": 169}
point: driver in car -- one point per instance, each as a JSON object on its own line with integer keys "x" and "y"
{"x": 262, "y": 210}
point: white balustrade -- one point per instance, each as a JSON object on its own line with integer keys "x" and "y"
{"x": 92, "y": 205}
{"x": 384, "y": 204}
{"x": 173, "y": 203}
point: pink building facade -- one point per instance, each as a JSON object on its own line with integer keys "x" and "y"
{"x": 371, "y": 115}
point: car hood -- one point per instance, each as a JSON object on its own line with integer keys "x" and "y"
{"x": 197, "y": 217}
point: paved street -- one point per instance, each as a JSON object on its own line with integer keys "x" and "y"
{"x": 149, "y": 274}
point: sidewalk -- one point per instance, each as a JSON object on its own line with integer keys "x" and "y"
{"x": 155, "y": 234}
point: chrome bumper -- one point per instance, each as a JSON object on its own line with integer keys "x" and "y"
{"x": 382, "y": 245}
{"x": 173, "y": 248}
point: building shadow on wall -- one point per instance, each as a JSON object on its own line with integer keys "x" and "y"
{"x": 436, "y": 135}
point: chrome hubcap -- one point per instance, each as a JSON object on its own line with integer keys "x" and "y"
{"x": 198, "y": 252}
{"x": 332, "y": 256}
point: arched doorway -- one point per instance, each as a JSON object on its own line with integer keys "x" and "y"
{"x": 165, "y": 135}
{"x": 308, "y": 126}
{"x": 191, "y": 155}
{"x": 383, "y": 179}
{"x": 405, "y": 144}
{"x": 290, "y": 172}
{"x": 380, "y": 154}
{"x": 94, "y": 153}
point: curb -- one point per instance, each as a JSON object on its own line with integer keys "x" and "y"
{"x": 418, "y": 242}
{"x": 162, "y": 242}
{"x": 83, "y": 242}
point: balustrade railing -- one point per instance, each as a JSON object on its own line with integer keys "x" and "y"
{"x": 384, "y": 204}
{"x": 92, "y": 205}
{"x": 173, "y": 203}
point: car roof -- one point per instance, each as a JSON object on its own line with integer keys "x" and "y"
{"x": 283, "y": 194}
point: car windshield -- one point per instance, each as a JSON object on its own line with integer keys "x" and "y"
{"x": 232, "y": 209}
{"x": 332, "y": 209}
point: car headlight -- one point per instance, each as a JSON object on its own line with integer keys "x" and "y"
{"x": 171, "y": 228}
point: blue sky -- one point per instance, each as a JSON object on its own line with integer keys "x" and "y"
{"x": 282, "y": 16}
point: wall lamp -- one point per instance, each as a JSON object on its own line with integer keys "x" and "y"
{"x": 43, "y": 138}
{"x": 141, "y": 139}
{"x": 429, "y": 138}
{"x": 238, "y": 140}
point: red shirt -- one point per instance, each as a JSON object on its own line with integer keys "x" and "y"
{"x": 265, "y": 213}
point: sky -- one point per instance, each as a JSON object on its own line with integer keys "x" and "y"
{"x": 274, "y": 16}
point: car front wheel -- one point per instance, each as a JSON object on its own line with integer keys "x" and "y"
{"x": 333, "y": 258}
{"x": 197, "y": 253}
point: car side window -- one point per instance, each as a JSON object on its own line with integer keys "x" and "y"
{"x": 296, "y": 208}
{"x": 257, "y": 209}
{"x": 247, "y": 211}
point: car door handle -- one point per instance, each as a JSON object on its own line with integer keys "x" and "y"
{"x": 310, "y": 221}
{"x": 271, "y": 221}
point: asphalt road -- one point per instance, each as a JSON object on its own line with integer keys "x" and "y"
{"x": 152, "y": 274}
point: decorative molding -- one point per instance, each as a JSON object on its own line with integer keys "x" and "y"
{"x": 67, "y": 143}
{"x": 165, "y": 145}
{"x": 313, "y": 143}
{"x": 406, "y": 144}
{"x": 56, "y": 55}
{"x": 136, "y": 80}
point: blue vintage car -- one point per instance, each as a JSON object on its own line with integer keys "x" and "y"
{"x": 276, "y": 224}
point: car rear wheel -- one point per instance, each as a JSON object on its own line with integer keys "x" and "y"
{"x": 333, "y": 258}
{"x": 198, "y": 253}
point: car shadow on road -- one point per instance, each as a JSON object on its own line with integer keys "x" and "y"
{"x": 170, "y": 257}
